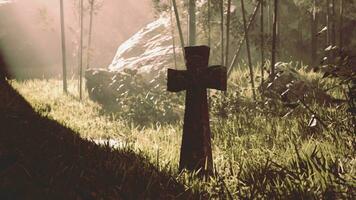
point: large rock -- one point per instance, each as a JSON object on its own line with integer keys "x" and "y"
{"x": 138, "y": 62}
{"x": 149, "y": 51}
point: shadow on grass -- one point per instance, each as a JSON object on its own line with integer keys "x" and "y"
{"x": 41, "y": 159}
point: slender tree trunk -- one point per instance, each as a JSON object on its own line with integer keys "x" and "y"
{"x": 209, "y": 38}
{"x": 228, "y": 32}
{"x": 81, "y": 52}
{"x": 222, "y": 31}
{"x": 328, "y": 23}
{"x": 274, "y": 37}
{"x": 333, "y": 24}
{"x": 269, "y": 24}
{"x": 341, "y": 44}
{"x": 237, "y": 52}
{"x": 300, "y": 32}
{"x": 90, "y": 32}
{"x": 262, "y": 43}
{"x": 192, "y": 23}
{"x": 64, "y": 63}
{"x": 248, "y": 50}
{"x": 314, "y": 39}
{"x": 209, "y": 23}
{"x": 279, "y": 31}
{"x": 173, "y": 37}
{"x": 179, "y": 26}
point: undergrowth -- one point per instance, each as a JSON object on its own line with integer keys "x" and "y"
{"x": 259, "y": 151}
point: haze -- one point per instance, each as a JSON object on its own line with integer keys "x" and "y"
{"x": 30, "y": 38}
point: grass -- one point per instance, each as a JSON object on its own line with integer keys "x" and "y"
{"x": 258, "y": 154}
{"x": 42, "y": 159}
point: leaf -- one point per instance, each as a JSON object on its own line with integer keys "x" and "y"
{"x": 323, "y": 30}
{"x": 288, "y": 113}
{"x": 313, "y": 122}
{"x": 329, "y": 48}
{"x": 285, "y": 92}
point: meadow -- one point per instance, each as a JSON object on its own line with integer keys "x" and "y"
{"x": 261, "y": 150}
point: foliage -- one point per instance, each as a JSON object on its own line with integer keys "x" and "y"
{"x": 258, "y": 153}
{"x": 130, "y": 96}
{"x": 340, "y": 65}
{"x": 294, "y": 22}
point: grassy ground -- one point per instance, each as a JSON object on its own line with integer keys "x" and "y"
{"x": 43, "y": 159}
{"x": 257, "y": 154}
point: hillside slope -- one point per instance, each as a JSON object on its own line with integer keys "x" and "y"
{"x": 41, "y": 159}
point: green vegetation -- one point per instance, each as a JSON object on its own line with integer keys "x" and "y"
{"x": 259, "y": 150}
{"x": 42, "y": 159}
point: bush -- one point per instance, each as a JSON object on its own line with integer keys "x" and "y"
{"x": 130, "y": 96}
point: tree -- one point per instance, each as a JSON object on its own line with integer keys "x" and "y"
{"x": 222, "y": 31}
{"x": 328, "y": 27}
{"x": 178, "y": 26}
{"x": 209, "y": 23}
{"x": 81, "y": 51}
{"x": 192, "y": 23}
{"x": 274, "y": 37}
{"x": 64, "y": 64}
{"x": 173, "y": 37}
{"x": 239, "y": 46}
{"x": 227, "y": 32}
{"x": 262, "y": 42}
{"x": 333, "y": 24}
{"x": 248, "y": 50}
{"x": 314, "y": 38}
{"x": 91, "y": 13}
{"x": 341, "y": 24}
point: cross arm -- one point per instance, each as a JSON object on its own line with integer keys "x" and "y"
{"x": 215, "y": 77}
{"x": 176, "y": 80}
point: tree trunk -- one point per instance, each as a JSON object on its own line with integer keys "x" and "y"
{"x": 222, "y": 31}
{"x": 81, "y": 52}
{"x": 248, "y": 50}
{"x": 209, "y": 23}
{"x": 269, "y": 24}
{"x": 333, "y": 24}
{"x": 90, "y": 32}
{"x": 227, "y": 32}
{"x": 274, "y": 37}
{"x": 262, "y": 43}
{"x": 237, "y": 52}
{"x": 314, "y": 39}
{"x": 173, "y": 37}
{"x": 341, "y": 44}
{"x": 328, "y": 22}
{"x": 179, "y": 26}
{"x": 192, "y": 23}
{"x": 64, "y": 63}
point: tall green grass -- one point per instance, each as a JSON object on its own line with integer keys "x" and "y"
{"x": 257, "y": 154}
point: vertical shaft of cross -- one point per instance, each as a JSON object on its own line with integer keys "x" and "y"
{"x": 196, "y": 145}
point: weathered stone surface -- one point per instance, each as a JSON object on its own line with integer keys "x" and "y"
{"x": 149, "y": 51}
{"x": 147, "y": 54}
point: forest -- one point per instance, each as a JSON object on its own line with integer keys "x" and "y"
{"x": 173, "y": 99}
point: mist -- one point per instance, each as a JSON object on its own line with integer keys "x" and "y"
{"x": 30, "y": 35}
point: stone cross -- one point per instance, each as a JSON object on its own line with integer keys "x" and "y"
{"x": 196, "y": 142}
